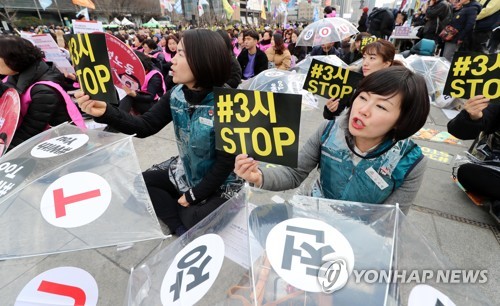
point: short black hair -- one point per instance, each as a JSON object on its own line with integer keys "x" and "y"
{"x": 146, "y": 61}
{"x": 19, "y": 53}
{"x": 208, "y": 57}
{"x": 251, "y": 33}
{"x": 150, "y": 43}
{"x": 415, "y": 104}
{"x": 226, "y": 38}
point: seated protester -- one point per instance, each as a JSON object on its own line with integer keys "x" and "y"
{"x": 44, "y": 102}
{"x": 252, "y": 60}
{"x": 238, "y": 45}
{"x": 354, "y": 53}
{"x": 155, "y": 52}
{"x": 298, "y": 52}
{"x": 169, "y": 46}
{"x": 389, "y": 106}
{"x": 137, "y": 42}
{"x": 278, "y": 55}
{"x": 325, "y": 49}
{"x": 235, "y": 78}
{"x": 479, "y": 116}
{"x": 142, "y": 99}
{"x": 265, "y": 42}
{"x": 377, "y": 55}
{"x": 201, "y": 178}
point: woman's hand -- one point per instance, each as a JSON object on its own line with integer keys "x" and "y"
{"x": 248, "y": 169}
{"x": 70, "y": 76}
{"x": 475, "y": 106}
{"x": 332, "y": 104}
{"x": 92, "y": 107}
{"x": 182, "y": 201}
{"x": 129, "y": 91}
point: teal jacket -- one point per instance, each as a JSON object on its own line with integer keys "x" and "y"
{"x": 195, "y": 135}
{"x": 373, "y": 178}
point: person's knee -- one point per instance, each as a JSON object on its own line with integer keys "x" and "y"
{"x": 464, "y": 174}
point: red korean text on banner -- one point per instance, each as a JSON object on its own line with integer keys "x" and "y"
{"x": 127, "y": 69}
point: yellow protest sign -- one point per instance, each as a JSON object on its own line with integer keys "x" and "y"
{"x": 473, "y": 74}
{"x": 330, "y": 81}
{"x": 264, "y": 125}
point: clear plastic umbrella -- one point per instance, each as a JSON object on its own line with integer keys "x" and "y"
{"x": 268, "y": 248}
{"x": 74, "y": 190}
{"x": 434, "y": 70}
{"x": 282, "y": 81}
{"x": 303, "y": 66}
{"x": 325, "y": 31}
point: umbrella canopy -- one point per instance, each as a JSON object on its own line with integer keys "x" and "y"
{"x": 303, "y": 66}
{"x": 327, "y": 30}
{"x": 266, "y": 248}
{"x": 434, "y": 70}
{"x": 74, "y": 190}
{"x": 282, "y": 81}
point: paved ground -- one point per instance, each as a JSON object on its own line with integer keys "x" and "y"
{"x": 443, "y": 214}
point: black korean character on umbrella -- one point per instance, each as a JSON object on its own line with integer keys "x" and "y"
{"x": 195, "y": 270}
{"x": 315, "y": 258}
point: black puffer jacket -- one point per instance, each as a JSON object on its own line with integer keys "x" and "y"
{"x": 437, "y": 17}
{"x": 464, "y": 21}
{"x": 47, "y": 106}
{"x": 381, "y": 22}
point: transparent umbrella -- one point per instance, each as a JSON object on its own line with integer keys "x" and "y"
{"x": 282, "y": 81}
{"x": 434, "y": 70}
{"x": 269, "y": 248}
{"x": 69, "y": 185}
{"x": 303, "y": 66}
{"x": 325, "y": 31}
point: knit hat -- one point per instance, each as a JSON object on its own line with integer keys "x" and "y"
{"x": 365, "y": 9}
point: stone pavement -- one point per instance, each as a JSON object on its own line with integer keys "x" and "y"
{"x": 447, "y": 218}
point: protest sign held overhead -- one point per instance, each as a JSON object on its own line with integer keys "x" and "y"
{"x": 90, "y": 57}
{"x": 10, "y": 107}
{"x": 83, "y": 26}
{"x": 330, "y": 81}
{"x": 52, "y": 52}
{"x": 473, "y": 74}
{"x": 264, "y": 125}
{"x": 126, "y": 67}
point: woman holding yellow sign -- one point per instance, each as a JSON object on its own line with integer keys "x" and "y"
{"x": 365, "y": 154}
{"x": 200, "y": 179}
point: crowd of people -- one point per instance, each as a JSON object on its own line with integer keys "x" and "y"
{"x": 370, "y": 133}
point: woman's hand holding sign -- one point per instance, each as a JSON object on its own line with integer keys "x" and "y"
{"x": 248, "y": 169}
{"x": 332, "y": 104}
{"x": 475, "y": 106}
{"x": 92, "y": 107}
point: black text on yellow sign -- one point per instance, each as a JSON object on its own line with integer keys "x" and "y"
{"x": 264, "y": 125}
{"x": 330, "y": 81}
{"x": 90, "y": 58}
{"x": 473, "y": 74}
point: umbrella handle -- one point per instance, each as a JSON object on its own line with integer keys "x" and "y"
{"x": 260, "y": 287}
{"x": 231, "y": 292}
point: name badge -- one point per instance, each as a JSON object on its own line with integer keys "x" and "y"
{"x": 207, "y": 122}
{"x": 376, "y": 178}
